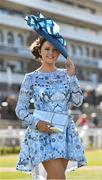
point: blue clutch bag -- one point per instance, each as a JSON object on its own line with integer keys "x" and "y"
{"x": 59, "y": 121}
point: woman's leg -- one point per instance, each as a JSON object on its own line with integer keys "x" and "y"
{"x": 55, "y": 169}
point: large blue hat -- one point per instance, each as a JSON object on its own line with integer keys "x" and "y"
{"x": 48, "y": 29}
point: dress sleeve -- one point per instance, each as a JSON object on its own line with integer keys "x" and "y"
{"x": 23, "y": 103}
{"x": 76, "y": 96}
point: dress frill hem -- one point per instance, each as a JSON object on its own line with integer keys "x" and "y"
{"x": 75, "y": 165}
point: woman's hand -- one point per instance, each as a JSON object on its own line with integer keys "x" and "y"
{"x": 70, "y": 67}
{"x": 44, "y": 127}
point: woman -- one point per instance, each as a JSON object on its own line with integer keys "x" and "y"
{"x": 52, "y": 89}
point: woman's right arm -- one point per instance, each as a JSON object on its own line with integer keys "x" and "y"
{"x": 23, "y": 103}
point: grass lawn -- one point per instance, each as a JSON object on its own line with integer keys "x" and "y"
{"x": 14, "y": 175}
{"x": 94, "y": 158}
{"x": 85, "y": 175}
{"x": 76, "y": 175}
{"x": 8, "y": 160}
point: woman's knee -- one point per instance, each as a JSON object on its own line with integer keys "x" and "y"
{"x": 55, "y": 169}
{"x": 56, "y": 175}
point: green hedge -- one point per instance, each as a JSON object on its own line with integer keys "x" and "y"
{"x": 9, "y": 150}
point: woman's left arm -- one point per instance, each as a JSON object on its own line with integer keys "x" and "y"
{"x": 76, "y": 96}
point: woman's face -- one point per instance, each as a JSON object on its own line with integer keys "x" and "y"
{"x": 49, "y": 53}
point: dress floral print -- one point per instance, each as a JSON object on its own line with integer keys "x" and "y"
{"x": 50, "y": 91}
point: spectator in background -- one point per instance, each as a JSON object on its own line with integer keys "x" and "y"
{"x": 95, "y": 119}
{"x": 83, "y": 120}
{"x": 8, "y": 108}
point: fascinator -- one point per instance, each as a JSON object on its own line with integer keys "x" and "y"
{"x": 48, "y": 29}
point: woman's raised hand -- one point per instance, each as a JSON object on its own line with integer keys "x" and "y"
{"x": 70, "y": 67}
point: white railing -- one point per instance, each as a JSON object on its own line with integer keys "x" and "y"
{"x": 91, "y": 137}
{"x": 9, "y": 137}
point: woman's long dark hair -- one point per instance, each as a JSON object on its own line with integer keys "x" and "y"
{"x": 36, "y": 46}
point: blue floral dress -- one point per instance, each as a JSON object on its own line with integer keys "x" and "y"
{"x": 51, "y": 91}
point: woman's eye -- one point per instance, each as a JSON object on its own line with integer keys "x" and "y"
{"x": 47, "y": 49}
{"x": 55, "y": 49}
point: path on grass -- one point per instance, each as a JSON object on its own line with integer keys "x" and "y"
{"x": 12, "y": 169}
{"x": 7, "y": 169}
